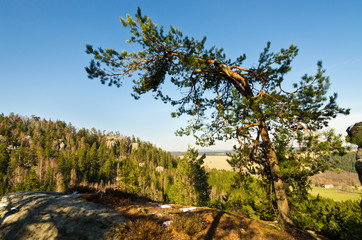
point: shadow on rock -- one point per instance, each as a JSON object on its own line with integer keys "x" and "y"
{"x": 50, "y": 215}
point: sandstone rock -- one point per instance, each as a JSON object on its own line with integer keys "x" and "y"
{"x": 11, "y": 147}
{"x": 112, "y": 142}
{"x": 358, "y": 166}
{"x": 135, "y": 146}
{"x": 50, "y": 215}
{"x": 355, "y": 133}
{"x": 59, "y": 145}
{"x": 355, "y": 136}
{"x": 62, "y": 146}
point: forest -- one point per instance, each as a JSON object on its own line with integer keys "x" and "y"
{"x": 46, "y": 155}
{"x": 346, "y": 162}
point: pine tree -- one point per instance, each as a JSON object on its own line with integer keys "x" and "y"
{"x": 31, "y": 182}
{"x": 4, "y": 158}
{"x": 248, "y": 103}
{"x": 190, "y": 183}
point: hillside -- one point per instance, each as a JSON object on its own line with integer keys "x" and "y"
{"x": 340, "y": 179}
{"x": 43, "y": 155}
{"x": 39, "y": 154}
{"x": 157, "y": 220}
{"x": 118, "y": 215}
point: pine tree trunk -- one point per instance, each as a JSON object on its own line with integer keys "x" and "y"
{"x": 280, "y": 195}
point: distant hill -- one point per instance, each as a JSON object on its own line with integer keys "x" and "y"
{"x": 346, "y": 162}
{"x": 336, "y": 178}
{"x": 40, "y": 154}
{"x": 203, "y": 151}
{"x": 43, "y": 155}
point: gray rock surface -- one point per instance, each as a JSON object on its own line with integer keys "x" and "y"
{"x": 51, "y": 215}
{"x": 113, "y": 142}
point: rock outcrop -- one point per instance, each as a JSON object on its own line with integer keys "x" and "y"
{"x": 355, "y": 137}
{"x": 51, "y": 215}
{"x": 112, "y": 142}
{"x": 159, "y": 169}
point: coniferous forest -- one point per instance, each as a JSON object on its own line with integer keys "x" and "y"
{"x": 40, "y": 154}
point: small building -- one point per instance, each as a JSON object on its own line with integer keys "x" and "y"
{"x": 328, "y": 185}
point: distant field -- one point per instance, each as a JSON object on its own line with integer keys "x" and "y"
{"x": 335, "y": 194}
{"x": 340, "y": 179}
{"x": 213, "y": 159}
{"x": 218, "y": 162}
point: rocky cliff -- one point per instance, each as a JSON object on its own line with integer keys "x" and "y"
{"x": 51, "y": 215}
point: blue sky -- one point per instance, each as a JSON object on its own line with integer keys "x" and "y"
{"x": 42, "y": 55}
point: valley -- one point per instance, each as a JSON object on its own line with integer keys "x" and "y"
{"x": 44, "y": 155}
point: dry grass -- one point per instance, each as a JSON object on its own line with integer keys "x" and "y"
{"x": 146, "y": 221}
{"x": 143, "y": 229}
{"x": 189, "y": 223}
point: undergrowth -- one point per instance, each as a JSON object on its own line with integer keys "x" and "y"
{"x": 143, "y": 229}
{"x": 189, "y": 223}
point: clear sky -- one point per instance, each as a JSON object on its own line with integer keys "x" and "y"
{"x": 42, "y": 55}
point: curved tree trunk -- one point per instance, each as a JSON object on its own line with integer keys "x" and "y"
{"x": 280, "y": 195}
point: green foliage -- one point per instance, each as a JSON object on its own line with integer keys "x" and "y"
{"x": 31, "y": 182}
{"x": 346, "y": 162}
{"x": 222, "y": 180}
{"x": 357, "y": 140}
{"x": 85, "y": 156}
{"x": 242, "y": 193}
{"x": 301, "y": 156}
{"x": 4, "y": 158}
{"x": 190, "y": 183}
{"x": 238, "y": 97}
{"x": 63, "y": 155}
{"x": 257, "y": 200}
{"x": 226, "y": 100}
{"x": 336, "y": 220}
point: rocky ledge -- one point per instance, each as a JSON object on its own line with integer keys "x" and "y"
{"x": 51, "y": 215}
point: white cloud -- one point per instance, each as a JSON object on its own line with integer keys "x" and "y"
{"x": 341, "y": 123}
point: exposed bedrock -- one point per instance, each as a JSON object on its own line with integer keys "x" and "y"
{"x": 51, "y": 215}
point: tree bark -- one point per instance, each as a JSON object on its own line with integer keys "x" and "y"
{"x": 279, "y": 190}
{"x": 280, "y": 196}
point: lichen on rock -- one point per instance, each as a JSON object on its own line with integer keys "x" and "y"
{"x": 51, "y": 215}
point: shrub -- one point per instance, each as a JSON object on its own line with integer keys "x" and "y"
{"x": 335, "y": 220}
{"x": 143, "y": 229}
{"x": 189, "y": 223}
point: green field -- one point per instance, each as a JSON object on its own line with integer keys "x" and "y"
{"x": 335, "y": 194}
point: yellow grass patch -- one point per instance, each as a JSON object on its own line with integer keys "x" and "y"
{"x": 217, "y": 162}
